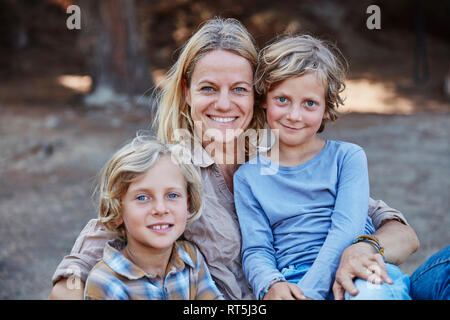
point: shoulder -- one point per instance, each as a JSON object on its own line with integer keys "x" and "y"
{"x": 101, "y": 271}
{"x": 250, "y": 168}
{"x": 344, "y": 151}
{"x": 103, "y": 283}
{"x": 345, "y": 156}
{"x": 344, "y": 147}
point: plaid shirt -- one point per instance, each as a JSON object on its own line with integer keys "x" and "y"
{"x": 117, "y": 278}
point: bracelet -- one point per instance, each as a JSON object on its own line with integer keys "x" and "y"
{"x": 373, "y": 241}
{"x": 263, "y": 291}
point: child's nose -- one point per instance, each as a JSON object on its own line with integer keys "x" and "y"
{"x": 295, "y": 113}
{"x": 159, "y": 207}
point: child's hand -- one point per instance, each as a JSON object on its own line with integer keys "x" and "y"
{"x": 284, "y": 291}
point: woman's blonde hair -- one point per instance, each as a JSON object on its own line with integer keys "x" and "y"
{"x": 216, "y": 34}
{"x": 294, "y": 56}
{"x": 133, "y": 160}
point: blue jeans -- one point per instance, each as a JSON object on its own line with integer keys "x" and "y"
{"x": 431, "y": 281}
{"x": 399, "y": 290}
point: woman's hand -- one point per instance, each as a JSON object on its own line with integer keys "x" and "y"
{"x": 284, "y": 291}
{"x": 359, "y": 260}
{"x": 63, "y": 291}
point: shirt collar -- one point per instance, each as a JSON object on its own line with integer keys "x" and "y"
{"x": 124, "y": 267}
{"x": 180, "y": 257}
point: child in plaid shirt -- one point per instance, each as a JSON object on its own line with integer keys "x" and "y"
{"x": 149, "y": 192}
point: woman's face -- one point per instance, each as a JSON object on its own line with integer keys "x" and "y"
{"x": 221, "y": 96}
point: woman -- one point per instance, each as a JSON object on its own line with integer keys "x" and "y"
{"x": 209, "y": 94}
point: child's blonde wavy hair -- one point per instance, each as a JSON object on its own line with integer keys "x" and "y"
{"x": 133, "y": 160}
{"x": 294, "y": 56}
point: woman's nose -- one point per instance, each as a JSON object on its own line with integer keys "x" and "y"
{"x": 223, "y": 102}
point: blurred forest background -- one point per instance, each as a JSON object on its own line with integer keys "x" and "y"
{"x": 70, "y": 97}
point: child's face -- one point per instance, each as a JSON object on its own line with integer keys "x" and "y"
{"x": 155, "y": 206}
{"x": 296, "y": 108}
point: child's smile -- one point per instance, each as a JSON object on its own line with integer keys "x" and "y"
{"x": 161, "y": 227}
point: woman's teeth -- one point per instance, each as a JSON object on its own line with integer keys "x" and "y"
{"x": 223, "y": 119}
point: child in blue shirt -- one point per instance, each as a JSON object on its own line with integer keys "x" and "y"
{"x": 304, "y": 201}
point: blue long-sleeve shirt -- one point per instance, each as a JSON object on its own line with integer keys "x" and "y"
{"x": 306, "y": 214}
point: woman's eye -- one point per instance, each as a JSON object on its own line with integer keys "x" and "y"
{"x": 142, "y": 198}
{"x": 173, "y": 195}
{"x": 240, "y": 90}
{"x": 207, "y": 89}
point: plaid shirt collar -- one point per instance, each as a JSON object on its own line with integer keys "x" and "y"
{"x": 124, "y": 267}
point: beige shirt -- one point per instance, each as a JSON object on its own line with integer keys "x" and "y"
{"x": 216, "y": 233}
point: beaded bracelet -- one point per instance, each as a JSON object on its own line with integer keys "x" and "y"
{"x": 373, "y": 241}
{"x": 263, "y": 291}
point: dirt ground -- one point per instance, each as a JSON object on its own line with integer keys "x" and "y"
{"x": 50, "y": 158}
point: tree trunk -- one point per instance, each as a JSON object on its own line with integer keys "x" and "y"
{"x": 114, "y": 51}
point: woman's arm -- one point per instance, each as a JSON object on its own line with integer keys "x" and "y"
{"x": 71, "y": 273}
{"x": 398, "y": 238}
{"x": 399, "y": 241}
{"x": 62, "y": 290}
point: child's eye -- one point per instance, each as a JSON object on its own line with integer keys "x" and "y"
{"x": 142, "y": 198}
{"x": 282, "y": 99}
{"x": 173, "y": 195}
{"x": 310, "y": 104}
